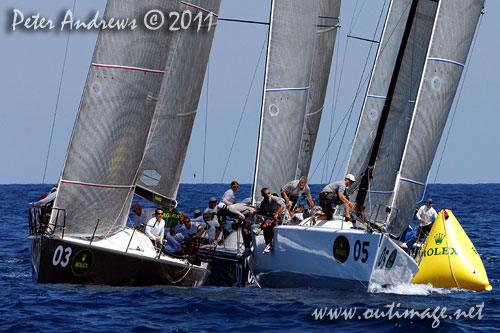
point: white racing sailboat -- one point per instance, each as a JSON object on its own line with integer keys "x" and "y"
{"x": 131, "y": 135}
{"x": 421, "y": 55}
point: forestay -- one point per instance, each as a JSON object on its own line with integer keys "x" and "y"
{"x": 177, "y": 105}
{"x": 328, "y": 23}
{"x": 287, "y": 81}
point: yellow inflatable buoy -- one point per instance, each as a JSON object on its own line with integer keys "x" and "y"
{"x": 448, "y": 259}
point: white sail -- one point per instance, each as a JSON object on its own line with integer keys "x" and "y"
{"x": 177, "y": 105}
{"x": 288, "y": 71}
{"x": 107, "y": 146}
{"x": 328, "y": 23}
{"x": 454, "y": 30}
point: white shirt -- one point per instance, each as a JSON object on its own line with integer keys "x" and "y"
{"x": 427, "y": 214}
{"x": 228, "y": 198}
{"x": 155, "y": 229}
{"x": 209, "y": 226}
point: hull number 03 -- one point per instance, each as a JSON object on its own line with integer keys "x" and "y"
{"x": 61, "y": 256}
{"x": 361, "y": 250}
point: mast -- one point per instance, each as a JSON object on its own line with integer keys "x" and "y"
{"x": 367, "y": 175}
{"x": 255, "y": 190}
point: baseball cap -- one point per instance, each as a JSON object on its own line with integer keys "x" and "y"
{"x": 350, "y": 177}
{"x": 212, "y": 199}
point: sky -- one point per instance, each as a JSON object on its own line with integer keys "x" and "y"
{"x": 33, "y": 83}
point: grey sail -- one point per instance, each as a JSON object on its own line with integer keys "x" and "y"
{"x": 453, "y": 32}
{"x": 399, "y": 106}
{"x": 328, "y": 23}
{"x": 113, "y": 122}
{"x": 177, "y": 104}
{"x": 378, "y": 86}
{"x": 288, "y": 72}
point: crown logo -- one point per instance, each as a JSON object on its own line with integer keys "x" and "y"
{"x": 439, "y": 238}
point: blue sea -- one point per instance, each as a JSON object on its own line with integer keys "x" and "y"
{"x": 26, "y": 306}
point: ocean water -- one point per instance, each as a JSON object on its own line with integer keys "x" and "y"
{"x": 26, "y": 306}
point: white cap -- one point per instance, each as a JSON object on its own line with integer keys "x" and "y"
{"x": 221, "y": 205}
{"x": 350, "y": 177}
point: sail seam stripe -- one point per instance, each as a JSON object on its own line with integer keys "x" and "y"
{"x": 287, "y": 89}
{"x": 448, "y": 61}
{"x": 146, "y": 70}
{"x": 381, "y": 192}
{"x": 376, "y": 96}
{"x": 199, "y": 8}
{"x": 412, "y": 181}
{"x": 329, "y": 17}
{"x": 96, "y": 185}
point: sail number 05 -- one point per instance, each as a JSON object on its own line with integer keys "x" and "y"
{"x": 361, "y": 250}
{"x": 61, "y": 256}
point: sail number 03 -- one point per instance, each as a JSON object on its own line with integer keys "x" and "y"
{"x": 361, "y": 250}
{"x": 61, "y": 256}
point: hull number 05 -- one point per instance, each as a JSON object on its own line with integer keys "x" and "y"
{"x": 358, "y": 250}
{"x": 61, "y": 256}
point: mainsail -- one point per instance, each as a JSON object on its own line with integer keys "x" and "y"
{"x": 328, "y": 23}
{"x": 288, "y": 71}
{"x": 176, "y": 109}
{"x": 110, "y": 134}
{"x": 379, "y": 150}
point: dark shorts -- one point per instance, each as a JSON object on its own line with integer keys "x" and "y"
{"x": 326, "y": 199}
{"x": 293, "y": 200}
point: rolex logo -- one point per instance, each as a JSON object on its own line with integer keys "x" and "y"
{"x": 439, "y": 238}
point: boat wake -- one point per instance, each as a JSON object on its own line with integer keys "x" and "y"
{"x": 410, "y": 289}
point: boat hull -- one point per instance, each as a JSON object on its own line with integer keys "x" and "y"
{"x": 55, "y": 260}
{"x": 334, "y": 258}
{"x": 228, "y": 270}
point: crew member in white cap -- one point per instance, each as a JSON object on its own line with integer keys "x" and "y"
{"x": 426, "y": 216}
{"x": 334, "y": 193}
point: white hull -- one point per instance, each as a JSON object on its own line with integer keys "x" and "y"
{"x": 303, "y": 256}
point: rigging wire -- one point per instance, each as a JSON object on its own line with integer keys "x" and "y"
{"x": 57, "y": 100}
{"x": 351, "y": 107}
{"x": 358, "y": 90}
{"x": 458, "y": 100}
{"x": 244, "y": 107}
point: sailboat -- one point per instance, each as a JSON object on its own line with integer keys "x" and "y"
{"x": 298, "y": 95}
{"x": 419, "y": 62}
{"x": 139, "y": 102}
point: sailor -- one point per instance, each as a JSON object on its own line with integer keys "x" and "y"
{"x": 228, "y": 198}
{"x": 271, "y": 206}
{"x": 210, "y": 223}
{"x": 426, "y": 216}
{"x": 191, "y": 231}
{"x": 334, "y": 193}
{"x": 196, "y": 213}
{"x": 212, "y": 206}
{"x": 155, "y": 228}
{"x": 45, "y": 203}
{"x": 241, "y": 211}
{"x": 292, "y": 191}
{"x": 141, "y": 216}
